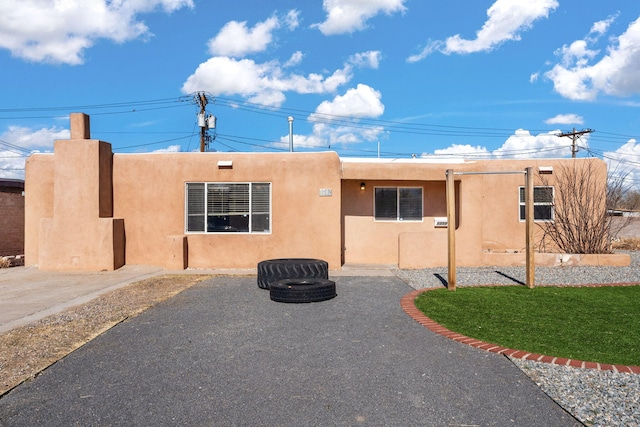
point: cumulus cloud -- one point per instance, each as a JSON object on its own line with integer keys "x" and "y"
{"x": 60, "y": 31}
{"x": 578, "y": 77}
{"x": 17, "y": 143}
{"x": 266, "y": 83}
{"x": 348, "y": 16}
{"x": 623, "y": 162}
{"x": 565, "y": 119}
{"x": 507, "y": 19}
{"x": 521, "y": 145}
{"x": 363, "y": 101}
{"x": 336, "y": 122}
{"x": 235, "y": 39}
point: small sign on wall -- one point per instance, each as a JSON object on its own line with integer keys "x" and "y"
{"x": 325, "y": 192}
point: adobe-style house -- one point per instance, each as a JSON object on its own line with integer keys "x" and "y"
{"x": 89, "y": 209}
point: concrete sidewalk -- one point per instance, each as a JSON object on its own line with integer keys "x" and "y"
{"x": 28, "y": 294}
{"x": 223, "y": 353}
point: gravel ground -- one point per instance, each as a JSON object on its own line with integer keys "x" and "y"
{"x": 596, "y": 398}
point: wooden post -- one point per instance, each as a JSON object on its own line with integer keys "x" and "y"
{"x": 451, "y": 229}
{"x": 528, "y": 203}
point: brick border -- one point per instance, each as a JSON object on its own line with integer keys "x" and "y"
{"x": 408, "y": 305}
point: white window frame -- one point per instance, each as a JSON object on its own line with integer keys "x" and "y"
{"x": 205, "y": 214}
{"x": 398, "y": 218}
{"x": 521, "y": 203}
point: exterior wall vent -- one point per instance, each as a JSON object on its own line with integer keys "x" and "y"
{"x": 545, "y": 170}
{"x": 440, "y": 222}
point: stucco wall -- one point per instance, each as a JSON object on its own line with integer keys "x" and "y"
{"x": 149, "y": 193}
{"x": 38, "y": 193}
{"x": 487, "y": 210}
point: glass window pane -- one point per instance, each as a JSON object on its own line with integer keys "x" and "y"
{"x": 260, "y": 223}
{"x": 386, "y": 203}
{"x": 195, "y": 223}
{"x": 195, "y": 207}
{"x": 195, "y": 199}
{"x": 260, "y": 198}
{"x": 410, "y": 204}
{"x": 543, "y": 194}
{"x": 542, "y": 212}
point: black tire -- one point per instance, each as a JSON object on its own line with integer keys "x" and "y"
{"x": 302, "y": 291}
{"x": 272, "y": 270}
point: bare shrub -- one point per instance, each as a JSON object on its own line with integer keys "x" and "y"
{"x": 4, "y": 262}
{"x": 582, "y": 205}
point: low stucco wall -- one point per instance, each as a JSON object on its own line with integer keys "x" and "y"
{"x": 554, "y": 260}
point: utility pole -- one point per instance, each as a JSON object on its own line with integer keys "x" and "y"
{"x": 202, "y": 102}
{"x": 575, "y": 135}
{"x": 205, "y": 121}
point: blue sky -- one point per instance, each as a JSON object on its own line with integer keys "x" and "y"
{"x": 471, "y": 79}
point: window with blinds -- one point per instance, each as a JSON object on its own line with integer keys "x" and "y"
{"x": 542, "y": 204}
{"x": 228, "y": 207}
{"x": 398, "y": 203}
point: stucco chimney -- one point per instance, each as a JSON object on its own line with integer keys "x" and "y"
{"x": 80, "y": 128}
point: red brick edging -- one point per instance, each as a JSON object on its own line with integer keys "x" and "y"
{"x": 408, "y": 305}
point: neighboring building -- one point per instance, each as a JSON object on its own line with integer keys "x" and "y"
{"x": 11, "y": 217}
{"x": 89, "y": 209}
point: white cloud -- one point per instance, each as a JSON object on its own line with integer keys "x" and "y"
{"x": 169, "y": 149}
{"x": 235, "y": 39}
{"x": 534, "y": 77}
{"x": 507, "y": 19}
{"x": 370, "y": 59}
{"x": 601, "y": 27}
{"x": 19, "y": 142}
{"x": 266, "y": 83}
{"x": 348, "y": 16}
{"x": 457, "y": 150}
{"x": 623, "y": 163}
{"x": 295, "y": 59}
{"x": 363, "y": 101}
{"x": 60, "y": 31}
{"x": 336, "y": 122}
{"x": 565, "y": 119}
{"x": 521, "y": 145}
{"x": 41, "y": 139}
{"x": 615, "y": 73}
{"x": 292, "y": 19}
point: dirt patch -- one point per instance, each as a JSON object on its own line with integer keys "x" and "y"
{"x": 26, "y": 351}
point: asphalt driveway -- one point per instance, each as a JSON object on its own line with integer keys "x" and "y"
{"x": 222, "y": 353}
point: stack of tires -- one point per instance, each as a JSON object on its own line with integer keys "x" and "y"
{"x": 296, "y": 280}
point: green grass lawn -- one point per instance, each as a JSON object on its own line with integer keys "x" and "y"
{"x": 596, "y": 324}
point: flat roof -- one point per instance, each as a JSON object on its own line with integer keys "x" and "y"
{"x": 12, "y": 183}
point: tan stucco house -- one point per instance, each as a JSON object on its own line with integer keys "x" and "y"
{"x": 90, "y": 209}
